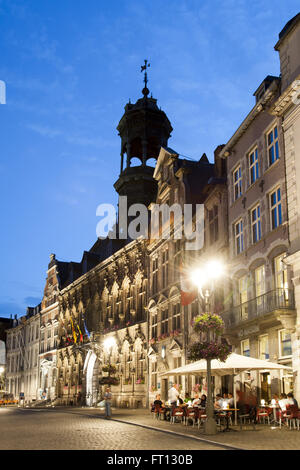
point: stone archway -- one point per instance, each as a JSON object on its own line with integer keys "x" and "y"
{"x": 91, "y": 372}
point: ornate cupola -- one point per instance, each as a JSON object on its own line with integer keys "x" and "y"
{"x": 144, "y": 129}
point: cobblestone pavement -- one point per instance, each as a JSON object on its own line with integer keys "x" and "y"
{"x": 82, "y": 429}
{"x": 264, "y": 437}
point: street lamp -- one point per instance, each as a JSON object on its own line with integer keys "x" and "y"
{"x": 204, "y": 280}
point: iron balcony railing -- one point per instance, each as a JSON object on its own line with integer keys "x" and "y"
{"x": 277, "y": 299}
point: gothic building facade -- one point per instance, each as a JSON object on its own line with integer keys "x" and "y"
{"x": 117, "y": 316}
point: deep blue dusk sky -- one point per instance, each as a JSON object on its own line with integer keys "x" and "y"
{"x": 70, "y": 67}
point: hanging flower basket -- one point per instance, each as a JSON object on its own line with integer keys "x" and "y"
{"x": 209, "y": 350}
{"x": 110, "y": 369}
{"x": 208, "y": 322}
{"x": 211, "y": 345}
{"x": 109, "y": 381}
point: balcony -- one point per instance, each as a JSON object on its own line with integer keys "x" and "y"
{"x": 275, "y": 300}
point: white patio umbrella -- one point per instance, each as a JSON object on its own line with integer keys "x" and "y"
{"x": 234, "y": 364}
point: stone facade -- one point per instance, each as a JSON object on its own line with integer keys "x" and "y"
{"x": 129, "y": 291}
{"x": 287, "y": 109}
{"x": 22, "y": 356}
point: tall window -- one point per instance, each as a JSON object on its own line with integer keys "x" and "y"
{"x": 239, "y": 237}
{"x": 243, "y": 296}
{"x": 165, "y": 262}
{"x": 164, "y": 321}
{"x": 259, "y": 274}
{"x": 281, "y": 277}
{"x": 213, "y": 224}
{"x": 263, "y": 345}
{"x": 154, "y": 274}
{"x": 237, "y": 183}
{"x": 253, "y": 166}
{"x": 256, "y": 224}
{"x": 273, "y": 145}
{"x": 154, "y": 325}
{"x": 245, "y": 348}
{"x": 285, "y": 343}
{"x": 275, "y": 209}
{"x": 176, "y": 317}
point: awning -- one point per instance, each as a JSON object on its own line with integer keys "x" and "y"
{"x": 234, "y": 364}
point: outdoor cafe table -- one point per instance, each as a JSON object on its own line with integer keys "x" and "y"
{"x": 227, "y": 411}
{"x": 274, "y": 407}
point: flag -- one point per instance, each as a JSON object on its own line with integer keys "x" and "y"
{"x": 80, "y": 333}
{"x": 188, "y": 291}
{"x": 85, "y": 327}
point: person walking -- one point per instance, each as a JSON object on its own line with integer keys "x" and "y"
{"x": 173, "y": 395}
{"x": 107, "y": 397}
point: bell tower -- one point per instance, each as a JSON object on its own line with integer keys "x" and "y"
{"x": 144, "y": 129}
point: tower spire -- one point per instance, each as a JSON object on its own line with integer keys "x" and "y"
{"x": 144, "y": 67}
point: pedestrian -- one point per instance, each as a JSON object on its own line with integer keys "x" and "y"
{"x": 173, "y": 394}
{"x": 107, "y": 397}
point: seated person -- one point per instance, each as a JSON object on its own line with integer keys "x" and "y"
{"x": 218, "y": 405}
{"x": 203, "y": 401}
{"x": 292, "y": 400}
{"x": 157, "y": 401}
{"x": 180, "y": 401}
{"x": 196, "y": 401}
{"x": 187, "y": 398}
{"x": 230, "y": 400}
{"x": 283, "y": 401}
{"x": 225, "y": 397}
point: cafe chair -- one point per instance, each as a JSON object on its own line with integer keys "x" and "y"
{"x": 291, "y": 416}
{"x": 155, "y": 411}
{"x": 191, "y": 415}
{"x": 246, "y": 416}
{"x": 263, "y": 415}
{"x": 177, "y": 413}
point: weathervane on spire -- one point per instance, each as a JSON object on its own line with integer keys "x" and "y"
{"x": 144, "y": 69}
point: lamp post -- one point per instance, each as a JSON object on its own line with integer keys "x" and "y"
{"x": 204, "y": 280}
